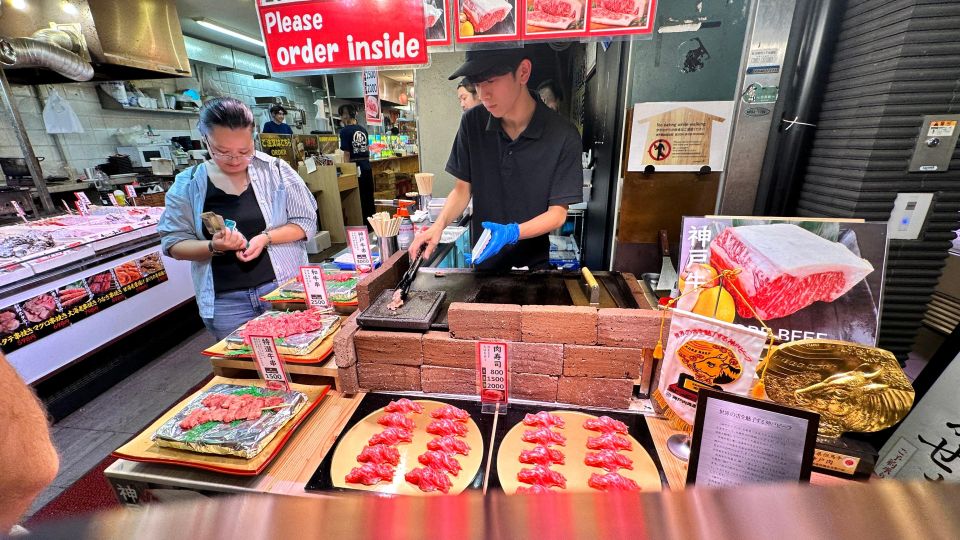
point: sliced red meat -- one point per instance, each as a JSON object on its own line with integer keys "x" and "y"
{"x": 605, "y": 424}
{"x": 572, "y": 9}
{"x": 484, "y": 14}
{"x": 543, "y": 419}
{"x": 610, "y": 460}
{"x": 612, "y": 18}
{"x": 449, "y": 412}
{"x": 379, "y": 453}
{"x": 612, "y": 482}
{"x": 396, "y": 420}
{"x": 287, "y": 324}
{"x": 546, "y": 20}
{"x": 535, "y": 489}
{"x": 446, "y": 427}
{"x": 441, "y": 461}
{"x": 370, "y": 474}
{"x": 431, "y": 14}
{"x": 545, "y": 437}
{"x": 541, "y": 455}
{"x": 403, "y": 405}
{"x": 609, "y": 441}
{"x": 630, "y": 7}
{"x": 542, "y": 476}
{"x": 429, "y": 479}
{"x": 391, "y": 437}
{"x": 449, "y": 444}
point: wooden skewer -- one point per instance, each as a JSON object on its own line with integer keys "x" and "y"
{"x": 493, "y": 434}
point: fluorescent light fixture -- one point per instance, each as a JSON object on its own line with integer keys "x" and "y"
{"x": 217, "y": 27}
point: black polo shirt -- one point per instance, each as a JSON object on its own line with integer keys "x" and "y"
{"x": 513, "y": 181}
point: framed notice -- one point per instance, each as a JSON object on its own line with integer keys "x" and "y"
{"x": 680, "y": 136}
{"x": 739, "y": 441}
{"x": 486, "y": 21}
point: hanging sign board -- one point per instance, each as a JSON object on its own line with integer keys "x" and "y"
{"x": 371, "y": 97}
{"x": 486, "y": 21}
{"x": 309, "y": 36}
{"x": 675, "y": 136}
{"x": 438, "y": 22}
{"x": 608, "y": 18}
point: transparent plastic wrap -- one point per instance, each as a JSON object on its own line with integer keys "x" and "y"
{"x": 279, "y": 324}
{"x": 341, "y": 288}
{"x": 241, "y": 438}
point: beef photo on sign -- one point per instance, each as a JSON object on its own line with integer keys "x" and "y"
{"x": 621, "y": 16}
{"x": 554, "y": 18}
{"x": 436, "y": 23}
{"x": 486, "y": 20}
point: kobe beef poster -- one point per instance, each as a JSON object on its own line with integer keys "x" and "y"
{"x": 805, "y": 278}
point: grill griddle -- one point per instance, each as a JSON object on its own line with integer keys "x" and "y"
{"x": 417, "y": 312}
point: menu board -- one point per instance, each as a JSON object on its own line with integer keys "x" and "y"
{"x": 739, "y": 441}
{"x": 279, "y": 146}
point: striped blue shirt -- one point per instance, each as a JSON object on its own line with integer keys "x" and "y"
{"x": 283, "y": 199}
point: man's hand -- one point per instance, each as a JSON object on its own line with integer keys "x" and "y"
{"x": 254, "y": 249}
{"x": 428, "y": 238}
{"x": 229, "y": 240}
{"x": 500, "y": 236}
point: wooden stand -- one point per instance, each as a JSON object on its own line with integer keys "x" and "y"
{"x": 338, "y": 197}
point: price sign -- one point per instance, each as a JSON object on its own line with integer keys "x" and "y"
{"x": 131, "y": 191}
{"x": 314, "y": 287}
{"x": 81, "y": 196}
{"x": 19, "y": 210}
{"x": 268, "y": 360}
{"x": 492, "y": 370}
{"x": 360, "y": 247}
{"x": 113, "y": 199}
{"x": 82, "y": 208}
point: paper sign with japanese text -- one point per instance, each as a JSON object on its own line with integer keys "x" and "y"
{"x": 268, "y": 361}
{"x": 113, "y": 199}
{"x": 359, "y": 240}
{"x": 81, "y": 196}
{"x": 311, "y": 36}
{"x": 314, "y": 287}
{"x": 131, "y": 191}
{"x": 371, "y": 97}
{"x": 82, "y": 208}
{"x": 492, "y": 372}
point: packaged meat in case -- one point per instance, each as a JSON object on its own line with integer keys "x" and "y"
{"x": 230, "y": 420}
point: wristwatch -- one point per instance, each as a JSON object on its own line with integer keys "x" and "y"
{"x": 213, "y": 251}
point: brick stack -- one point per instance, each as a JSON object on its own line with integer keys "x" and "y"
{"x": 577, "y": 355}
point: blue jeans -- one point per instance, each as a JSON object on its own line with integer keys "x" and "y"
{"x": 231, "y": 309}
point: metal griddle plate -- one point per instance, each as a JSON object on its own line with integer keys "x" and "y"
{"x": 416, "y": 313}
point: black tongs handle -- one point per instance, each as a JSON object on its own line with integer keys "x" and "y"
{"x": 407, "y": 280}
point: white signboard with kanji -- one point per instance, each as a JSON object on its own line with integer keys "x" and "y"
{"x": 492, "y": 372}
{"x": 268, "y": 360}
{"x": 313, "y": 286}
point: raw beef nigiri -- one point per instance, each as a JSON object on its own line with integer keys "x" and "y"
{"x": 449, "y": 444}
{"x": 535, "y": 489}
{"x": 391, "y": 436}
{"x": 446, "y": 427}
{"x": 543, "y": 419}
{"x": 605, "y": 424}
{"x": 609, "y": 441}
{"x": 396, "y": 420}
{"x": 378, "y": 454}
{"x": 609, "y": 460}
{"x": 541, "y": 455}
{"x": 441, "y": 461}
{"x": 429, "y": 479}
{"x": 545, "y": 437}
{"x": 542, "y": 476}
{"x": 403, "y": 406}
{"x": 449, "y": 412}
{"x": 369, "y": 474}
{"x": 612, "y": 482}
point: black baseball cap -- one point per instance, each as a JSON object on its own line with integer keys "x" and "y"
{"x": 487, "y": 61}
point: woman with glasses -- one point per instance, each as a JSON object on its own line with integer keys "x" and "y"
{"x": 273, "y": 211}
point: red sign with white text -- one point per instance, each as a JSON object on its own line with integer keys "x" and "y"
{"x": 303, "y": 36}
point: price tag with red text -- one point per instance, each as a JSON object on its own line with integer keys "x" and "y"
{"x": 268, "y": 361}
{"x": 492, "y": 373}
{"x": 81, "y": 196}
{"x": 113, "y": 199}
{"x": 360, "y": 247}
{"x": 131, "y": 191}
{"x": 314, "y": 287}
{"x": 82, "y": 208}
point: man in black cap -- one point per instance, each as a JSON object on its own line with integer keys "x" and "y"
{"x": 518, "y": 159}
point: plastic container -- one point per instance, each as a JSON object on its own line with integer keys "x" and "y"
{"x": 406, "y": 234}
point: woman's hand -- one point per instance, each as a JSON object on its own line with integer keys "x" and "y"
{"x": 229, "y": 240}
{"x": 257, "y": 244}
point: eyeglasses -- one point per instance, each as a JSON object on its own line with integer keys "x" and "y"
{"x": 246, "y": 156}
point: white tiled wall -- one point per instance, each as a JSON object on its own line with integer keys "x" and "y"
{"x": 97, "y": 142}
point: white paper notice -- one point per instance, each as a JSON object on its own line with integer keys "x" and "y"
{"x": 268, "y": 360}
{"x": 680, "y": 136}
{"x": 745, "y": 445}
{"x": 360, "y": 247}
{"x": 314, "y": 287}
{"x": 492, "y": 369}
{"x": 81, "y": 196}
{"x": 310, "y": 164}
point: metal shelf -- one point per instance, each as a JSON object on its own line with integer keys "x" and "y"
{"x": 107, "y": 102}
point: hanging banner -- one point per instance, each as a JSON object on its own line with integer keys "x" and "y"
{"x": 610, "y": 18}
{"x": 438, "y": 22}
{"x": 680, "y": 136}
{"x": 554, "y": 19}
{"x": 309, "y": 36}
{"x": 371, "y": 97}
{"x": 807, "y": 279}
{"x": 485, "y": 21}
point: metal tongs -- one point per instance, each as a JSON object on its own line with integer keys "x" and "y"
{"x": 407, "y": 280}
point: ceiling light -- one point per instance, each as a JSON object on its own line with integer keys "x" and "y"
{"x": 69, "y": 8}
{"x": 217, "y": 27}
{"x": 19, "y": 4}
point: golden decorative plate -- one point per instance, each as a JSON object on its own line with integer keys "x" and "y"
{"x": 351, "y": 444}
{"x": 853, "y": 387}
{"x": 644, "y": 472}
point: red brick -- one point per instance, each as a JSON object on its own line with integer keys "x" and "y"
{"x": 638, "y": 328}
{"x": 440, "y": 349}
{"x": 388, "y": 377}
{"x": 601, "y": 362}
{"x": 608, "y": 393}
{"x": 637, "y": 291}
{"x": 560, "y": 324}
{"x": 533, "y": 386}
{"x": 484, "y": 321}
{"x": 344, "y": 352}
{"x": 349, "y": 383}
{"x": 380, "y": 347}
{"x": 539, "y": 358}
{"x": 444, "y": 380}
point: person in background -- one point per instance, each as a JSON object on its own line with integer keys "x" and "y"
{"x": 28, "y": 459}
{"x": 277, "y": 125}
{"x": 467, "y": 94}
{"x": 354, "y": 141}
{"x": 550, "y": 94}
{"x": 273, "y": 209}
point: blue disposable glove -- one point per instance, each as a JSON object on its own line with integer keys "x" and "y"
{"x": 500, "y": 236}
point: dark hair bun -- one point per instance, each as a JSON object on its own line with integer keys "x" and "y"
{"x": 224, "y": 112}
